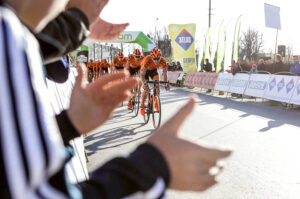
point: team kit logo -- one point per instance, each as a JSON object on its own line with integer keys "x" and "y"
{"x": 184, "y": 39}
{"x": 272, "y": 84}
{"x": 290, "y": 86}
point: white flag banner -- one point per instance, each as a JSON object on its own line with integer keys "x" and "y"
{"x": 272, "y": 16}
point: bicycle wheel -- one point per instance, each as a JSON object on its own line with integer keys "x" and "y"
{"x": 137, "y": 101}
{"x": 132, "y": 104}
{"x": 156, "y": 113}
{"x": 148, "y": 109}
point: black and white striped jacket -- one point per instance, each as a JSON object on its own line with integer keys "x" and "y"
{"x": 32, "y": 154}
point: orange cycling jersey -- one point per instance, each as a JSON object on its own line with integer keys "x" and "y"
{"x": 90, "y": 65}
{"x": 132, "y": 63}
{"x": 95, "y": 66}
{"x": 148, "y": 64}
{"x": 105, "y": 65}
{"x": 118, "y": 63}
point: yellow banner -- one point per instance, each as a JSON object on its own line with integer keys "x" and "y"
{"x": 183, "y": 44}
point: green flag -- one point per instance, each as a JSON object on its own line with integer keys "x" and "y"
{"x": 221, "y": 48}
{"x": 235, "y": 54}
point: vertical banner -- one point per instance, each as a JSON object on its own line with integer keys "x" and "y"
{"x": 207, "y": 46}
{"x": 183, "y": 44}
{"x": 221, "y": 48}
{"x": 235, "y": 54}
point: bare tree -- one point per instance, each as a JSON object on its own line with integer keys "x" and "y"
{"x": 163, "y": 41}
{"x": 251, "y": 44}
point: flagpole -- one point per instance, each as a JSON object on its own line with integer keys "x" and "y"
{"x": 276, "y": 46}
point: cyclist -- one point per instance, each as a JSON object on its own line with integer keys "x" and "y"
{"x": 119, "y": 62}
{"x": 104, "y": 66}
{"x": 90, "y": 69}
{"x": 95, "y": 69}
{"x": 133, "y": 66}
{"x": 149, "y": 69}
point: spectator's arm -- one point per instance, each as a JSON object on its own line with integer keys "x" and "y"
{"x": 63, "y": 34}
{"x": 145, "y": 170}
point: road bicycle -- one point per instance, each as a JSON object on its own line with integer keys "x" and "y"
{"x": 153, "y": 104}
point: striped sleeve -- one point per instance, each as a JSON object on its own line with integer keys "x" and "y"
{"x": 29, "y": 153}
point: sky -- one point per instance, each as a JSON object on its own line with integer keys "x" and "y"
{"x": 144, "y": 15}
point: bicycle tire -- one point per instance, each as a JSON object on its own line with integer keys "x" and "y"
{"x": 148, "y": 109}
{"x": 137, "y": 101}
{"x": 156, "y": 113}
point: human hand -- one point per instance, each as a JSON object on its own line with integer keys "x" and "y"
{"x": 190, "y": 164}
{"x": 93, "y": 104}
{"x": 105, "y": 31}
{"x": 91, "y": 8}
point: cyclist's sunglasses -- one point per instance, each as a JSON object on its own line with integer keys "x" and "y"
{"x": 156, "y": 58}
{"x": 137, "y": 57}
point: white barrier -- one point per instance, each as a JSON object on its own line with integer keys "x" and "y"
{"x": 296, "y": 95}
{"x": 239, "y": 83}
{"x": 224, "y": 82}
{"x": 59, "y": 95}
{"x": 180, "y": 76}
{"x": 281, "y": 88}
{"x": 257, "y": 85}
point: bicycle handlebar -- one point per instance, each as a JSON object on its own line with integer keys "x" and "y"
{"x": 157, "y": 82}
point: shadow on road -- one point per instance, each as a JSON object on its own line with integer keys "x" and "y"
{"x": 114, "y": 137}
{"x": 277, "y": 114}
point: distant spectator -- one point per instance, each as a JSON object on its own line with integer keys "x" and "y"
{"x": 261, "y": 64}
{"x": 278, "y": 66}
{"x": 295, "y": 69}
{"x": 235, "y": 68}
{"x": 179, "y": 68}
{"x": 253, "y": 70}
{"x": 207, "y": 66}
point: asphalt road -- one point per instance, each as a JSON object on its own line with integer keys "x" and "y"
{"x": 266, "y": 142}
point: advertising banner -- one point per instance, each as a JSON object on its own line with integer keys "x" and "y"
{"x": 172, "y": 77}
{"x": 201, "y": 80}
{"x": 281, "y": 88}
{"x": 221, "y": 48}
{"x": 239, "y": 83}
{"x": 235, "y": 53}
{"x": 183, "y": 44}
{"x": 257, "y": 85}
{"x": 296, "y": 95}
{"x": 224, "y": 82}
{"x": 83, "y": 54}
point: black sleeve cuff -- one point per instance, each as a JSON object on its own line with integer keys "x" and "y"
{"x": 67, "y": 129}
{"x": 80, "y": 15}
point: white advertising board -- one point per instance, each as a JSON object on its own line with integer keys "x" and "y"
{"x": 281, "y": 88}
{"x": 239, "y": 83}
{"x": 223, "y": 82}
{"x": 296, "y": 95}
{"x": 257, "y": 85}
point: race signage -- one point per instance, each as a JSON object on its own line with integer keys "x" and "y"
{"x": 224, "y": 81}
{"x": 239, "y": 83}
{"x": 257, "y": 85}
{"x": 281, "y": 88}
{"x": 296, "y": 95}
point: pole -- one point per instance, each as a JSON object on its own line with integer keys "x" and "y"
{"x": 209, "y": 14}
{"x": 276, "y": 46}
{"x": 156, "y": 36}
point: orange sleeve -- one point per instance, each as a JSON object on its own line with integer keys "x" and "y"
{"x": 164, "y": 65}
{"x": 146, "y": 64}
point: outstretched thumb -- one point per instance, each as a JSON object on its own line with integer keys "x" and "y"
{"x": 80, "y": 77}
{"x": 175, "y": 122}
